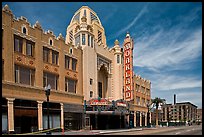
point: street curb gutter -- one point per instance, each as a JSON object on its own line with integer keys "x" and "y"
{"x": 117, "y": 131}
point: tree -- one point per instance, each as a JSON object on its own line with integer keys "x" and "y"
{"x": 156, "y": 102}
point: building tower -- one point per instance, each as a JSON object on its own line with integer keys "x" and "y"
{"x": 118, "y": 71}
{"x": 100, "y": 67}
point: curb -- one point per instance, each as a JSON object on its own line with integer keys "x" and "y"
{"x": 117, "y": 131}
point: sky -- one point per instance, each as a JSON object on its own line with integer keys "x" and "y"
{"x": 167, "y": 39}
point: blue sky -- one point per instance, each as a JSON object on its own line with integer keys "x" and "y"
{"x": 167, "y": 38}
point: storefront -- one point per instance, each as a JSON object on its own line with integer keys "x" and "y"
{"x": 104, "y": 114}
{"x": 73, "y": 117}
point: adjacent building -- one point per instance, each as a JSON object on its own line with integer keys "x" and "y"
{"x": 31, "y": 60}
{"x": 141, "y": 99}
{"x": 179, "y": 112}
{"x": 199, "y": 115}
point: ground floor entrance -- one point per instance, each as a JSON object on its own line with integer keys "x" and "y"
{"x": 103, "y": 122}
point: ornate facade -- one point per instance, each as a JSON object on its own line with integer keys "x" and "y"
{"x": 32, "y": 59}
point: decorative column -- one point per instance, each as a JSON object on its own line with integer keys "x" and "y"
{"x": 40, "y": 117}
{"x": 10, "y": 114}
{"x": 135, "y": 115}
{"x": 62, "y": 115}
{"x": 140, "y": 119}
{"x": 145, "y": 119}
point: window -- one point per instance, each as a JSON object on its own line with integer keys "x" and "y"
{"x": 148, "y": 91}
{"x": 50, "y": 42}
{"x": 76, "y": 17}
{"x": 24, "y": 75}
{"x": 143, "y": 89}
{"x": 70, "y": 85}
{"x": 74, "y": 64}
{"x": 55, "y": 55}
{"x": 71, "y": 36}
{"x": 138, "y": 100}
{"x": 93, "y": 17}
{"x": 85, "y": 13}
{"x": 137, "y": 87}
{"x": 91, "y": 81}
{"x": 46, "y": 54}
{"x": 70, "y": 51}
{"x": 24, "y": 30}
{"x": 92, "y": 42}
{"x": 18, "y": 44}
{"x": 83, "y": 39}
{"x": 118, "y": 59}
{"x": 29, "y": 48}
{"x": 99, "y": 36}
{"x": 67, "y": 62}
{"x": 51, "y": 79}
{"x": 143, "y": 102}
{"x": 77, "y": 40}
{"x": 89, "y": 40}
{"x": 91, "y": 94}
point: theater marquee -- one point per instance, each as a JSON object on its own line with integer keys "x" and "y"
{"x": 128, "y": 68}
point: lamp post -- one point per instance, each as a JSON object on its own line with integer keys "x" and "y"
{"x": 148, "y": 124}
{"x": 47, "y": 93}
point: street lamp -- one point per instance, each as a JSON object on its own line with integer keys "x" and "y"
{"x": 148, "y": 123}
{"x": 47, "y": 93}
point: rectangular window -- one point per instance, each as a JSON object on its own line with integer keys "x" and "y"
{"x": 91, "y": 94}
{"x": 55, "y": 55}
{"x": 143, "y": 89}
{"x": 29, "y": 48}
{"x": 18, "y": 44}
{"x": 118, "y": 59}
{"x": 137, "y": 87}
{"x": 24, "y": 75}
{"x": 74, "y": 64}
{"x": 67, "y": 62}
{"x": 83, "y": 39}
{"x": 91, "y": 81}
{"x": 148, "y": 91}
{"x": 89, "y": 40}
{"x": 92, "y": 41}
{"x": 143, "y": 102}
{"x": 51, "y": 79}
{"x": 77, "y": 40}
{"x": 138, "y": 100}
{"x": 46, "y": 53}
{"x": 70, "y": 85}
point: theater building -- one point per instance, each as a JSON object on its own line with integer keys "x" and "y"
{"x": 32, "y": 59}
{"x": 102, "y": 70}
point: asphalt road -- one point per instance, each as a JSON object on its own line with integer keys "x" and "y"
{"x": 183, "y": 130}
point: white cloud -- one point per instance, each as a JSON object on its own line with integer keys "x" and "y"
{"x": 167, "y": 82}
{"x": 139, "y": 15}
{"x": 158, "y": 51}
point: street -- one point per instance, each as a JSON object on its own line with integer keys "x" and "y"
{"x": 183, "y": 130}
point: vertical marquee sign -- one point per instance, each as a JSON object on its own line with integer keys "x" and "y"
{"x": 128, "y": 68}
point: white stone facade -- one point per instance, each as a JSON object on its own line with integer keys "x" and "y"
{"x": 100, "y": 63}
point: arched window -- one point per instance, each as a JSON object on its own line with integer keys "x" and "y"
{"x": 50, "y": 42}
{"x": 70, "y": 51}
{"x": 24, "y": 30}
